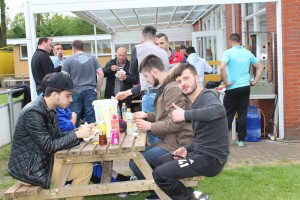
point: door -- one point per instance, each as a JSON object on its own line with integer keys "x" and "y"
{"x": 209, "y": 45}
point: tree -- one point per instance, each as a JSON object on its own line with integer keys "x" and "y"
{"x": 17, "y": 29}
{"x": 3, "y": 24}
{"x": 49, "y": 25}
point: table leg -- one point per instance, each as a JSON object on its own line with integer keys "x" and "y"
{"x": 145, "y": 168}
{"x": 63, "y": 175}
{"x": 106, "y": 171}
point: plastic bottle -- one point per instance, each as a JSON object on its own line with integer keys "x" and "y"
{"x": 253, "y": 124}
{"x": 115, "y": 137}
{"x": 129, "y": 120}
{"x": 115, "y": 122}
{"x": 124, "y": 110}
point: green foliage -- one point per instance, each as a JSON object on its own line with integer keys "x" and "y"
{"x": 4, "y": 98}
{"x": 52, "y": 25}
{"x": 17, "y": 27}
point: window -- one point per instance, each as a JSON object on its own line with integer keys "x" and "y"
{"x": 127, "y": 47}
{"x": 104, "y": 48}
{"x": 23, "y": 52}
{"x": 249, "y": 8}
{"x": 87, "y": 48}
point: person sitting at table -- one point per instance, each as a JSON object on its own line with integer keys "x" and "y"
{"x": 66, "y": 123}
{"x": 207, "y": 154}
{"x": 171, "y": 135}
{"x": 37, "y": 138}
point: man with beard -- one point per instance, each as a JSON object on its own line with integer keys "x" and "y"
{"x": 171, "y": 135}
{"x": 207, "y": 153}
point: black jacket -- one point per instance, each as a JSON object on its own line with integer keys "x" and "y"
{"x": 110, "y": 83}
{"x": 41, "y": 65}
{"x": 36, "y": 139}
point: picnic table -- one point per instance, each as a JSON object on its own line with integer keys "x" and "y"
{"x": 130, "y": 147}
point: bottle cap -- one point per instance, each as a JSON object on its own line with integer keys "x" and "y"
{"x": 128, "y": 109}
{"x": 123, "y": 104}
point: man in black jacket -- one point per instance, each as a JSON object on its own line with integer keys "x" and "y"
{"x": 37, "y": 137}
{"x": 118, "y": 77}
{"x": 41, "y": 63}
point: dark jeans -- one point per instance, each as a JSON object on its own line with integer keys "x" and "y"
{"x": 168, "y": 173}
{"x": 150, "y": 154}
{"x": 82, "y": 106}
{"x": 236, "y": 100}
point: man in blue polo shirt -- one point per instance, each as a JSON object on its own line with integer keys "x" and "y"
{"x": 235, "y": 75}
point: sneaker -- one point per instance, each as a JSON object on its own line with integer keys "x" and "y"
{"x": 240, "y": 143}
{"x": 152, "y": 197}
{"x": 133, "y": 178}
{"x": 125, "y": 194}
{"x": 200, "y": 196}
{"x": 122, "y": 195}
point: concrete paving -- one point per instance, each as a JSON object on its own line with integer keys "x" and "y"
{"x": 265, "y": 152}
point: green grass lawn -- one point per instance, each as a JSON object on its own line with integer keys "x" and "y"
{"x": 240, "y": 183}
{"x": 4, "y": 98}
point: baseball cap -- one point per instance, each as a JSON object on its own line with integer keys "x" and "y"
{"x": 60, "y": 80}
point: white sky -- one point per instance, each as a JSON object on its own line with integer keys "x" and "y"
{"x": 14, "y": 7}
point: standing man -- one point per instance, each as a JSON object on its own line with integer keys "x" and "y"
{"x": 58, "y": 52}
{"x": 148, "y": 90}
{"x": 234, "y": 69}
{"x": 41, "y": 63}
{"x": 207, "y": 153}
{"x": 199, "y": 63}
{"x": 183, "y": 50}
{"x": 174, "y": 56}
{"x": 83, "y": 69}
{"x": 118, "y": 78}
{"x": 37, "y": 138}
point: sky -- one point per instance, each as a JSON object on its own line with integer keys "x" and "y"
{"x": 14, "y": 7}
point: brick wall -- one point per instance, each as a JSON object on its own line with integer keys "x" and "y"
{"x": 238, "y": 21}
{"x": 197, "y": 26}
{"x": 291, "y": 67}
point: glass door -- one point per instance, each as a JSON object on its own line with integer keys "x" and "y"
{"x": 209, "y": 45}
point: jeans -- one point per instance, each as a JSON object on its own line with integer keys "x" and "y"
{"x": 236, "y": 100}
{"x": 150, "y": 154}
{"x": 148, "y": 106}
{"x": 82, "y": 106}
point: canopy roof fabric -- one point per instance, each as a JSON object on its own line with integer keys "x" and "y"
{"x": 114, "y": 20}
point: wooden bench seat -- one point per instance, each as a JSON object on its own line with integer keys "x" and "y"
{"x": 21, "y": 190}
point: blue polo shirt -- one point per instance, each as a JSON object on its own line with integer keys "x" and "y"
{"x": 238, "y": 61}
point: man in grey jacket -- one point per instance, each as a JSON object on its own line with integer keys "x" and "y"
{"x": 208, "y": 152}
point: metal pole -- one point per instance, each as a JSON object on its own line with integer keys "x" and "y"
{"x": 11, "y": 113}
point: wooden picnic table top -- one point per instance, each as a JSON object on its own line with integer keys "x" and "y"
{"x": 128, "y": 143}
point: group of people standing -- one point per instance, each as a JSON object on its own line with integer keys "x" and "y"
{"x": 186, "y": 124}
